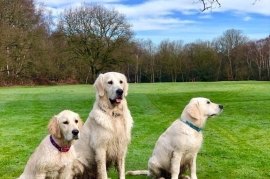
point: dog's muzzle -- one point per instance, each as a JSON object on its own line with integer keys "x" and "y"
{"x": 118, "y": 98}
{"x": 220, "y": 106}
{"x": 220, "y": 110}
{"x": 75, "y": 133}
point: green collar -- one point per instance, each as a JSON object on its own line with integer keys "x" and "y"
{"x": 198, "y": 129}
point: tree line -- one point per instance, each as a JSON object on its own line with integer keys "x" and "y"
{"x": 91, "y": 39}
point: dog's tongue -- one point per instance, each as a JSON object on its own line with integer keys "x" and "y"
{"x": 118, "y": 100}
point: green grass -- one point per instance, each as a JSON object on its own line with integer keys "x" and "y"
{"x": 236, "y": 143}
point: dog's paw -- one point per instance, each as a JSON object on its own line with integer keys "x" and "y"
{"x": 185, "y": 177}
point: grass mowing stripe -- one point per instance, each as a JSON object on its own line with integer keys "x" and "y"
{"x": 236, "y": 143}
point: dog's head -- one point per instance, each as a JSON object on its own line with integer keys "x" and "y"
{"x": 202, "y": 108}
{"x": 112, "y": 85}
{"x": 67, "y": 124}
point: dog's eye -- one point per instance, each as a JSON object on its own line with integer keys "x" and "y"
{"x": 76, "y": 121}
{"x": 121, "y": 81}
{"x": 208, "y": 102}
{"x": 65, "y": 122}
{"x": 110, "y": 82}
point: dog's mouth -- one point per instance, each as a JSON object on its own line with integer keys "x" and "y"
{"x": 75, "y": 134}
{"x": 215, "y": 114}
{"x": 116, "y": 100}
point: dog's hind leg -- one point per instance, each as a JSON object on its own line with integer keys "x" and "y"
{"x": 154, "y": 169}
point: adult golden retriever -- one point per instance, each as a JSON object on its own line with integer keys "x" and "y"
{"x": 55, "y": 155}
{"x": 177, "y": 148}
{"x": 107, "y": 131}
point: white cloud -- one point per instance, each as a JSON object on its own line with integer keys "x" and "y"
{"x": 165, "y": 7}
{"x": 208, "y": 16}
{"x": 177, "y": 17}
{"x": 247, "y": 18}
{"x": 59, "y": 3}
{"x": 159, "y": 23}
{"x": 248, "y": 6}
{"x": 152, "y": 8}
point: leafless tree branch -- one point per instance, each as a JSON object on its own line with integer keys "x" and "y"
{"x": 212, "y": 4}
{"x": 255, "y": 1}
{"x": 209, "y": 4}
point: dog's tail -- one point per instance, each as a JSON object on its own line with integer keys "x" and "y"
{"x": 138, "y": 172}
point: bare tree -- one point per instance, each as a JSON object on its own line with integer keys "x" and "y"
{"x": 227, "y": 45}
{"x": 21, "y": 26}
{"x": 96, "y": 35}
{"x": 268, "y": 62}
{"x": 138, "y": 53}
{"x": 202, "y": 61}
{"x": 169, "y": 57}
{"x": 149, "y": 60}
{"x": 258, "y": 52}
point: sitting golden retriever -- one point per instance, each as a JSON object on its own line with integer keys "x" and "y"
{"x": 107, "y": 131}
{"x": 54, "y": 157}
{"x": 177, "y": 148}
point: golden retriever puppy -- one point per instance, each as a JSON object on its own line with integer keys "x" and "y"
{"x": 54, "y": 157}
{"x": 177, "y": 148}
{"x": 107, "y": 131}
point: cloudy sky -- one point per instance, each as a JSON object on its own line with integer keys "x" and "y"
{"x": 159, "y": 20}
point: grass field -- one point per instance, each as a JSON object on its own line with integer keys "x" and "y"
{"x": 236, "y": 143}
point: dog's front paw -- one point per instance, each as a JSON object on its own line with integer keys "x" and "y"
{"x": 185, "y": 177}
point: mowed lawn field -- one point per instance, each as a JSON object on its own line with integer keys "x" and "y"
{"x": 236, "y": 143}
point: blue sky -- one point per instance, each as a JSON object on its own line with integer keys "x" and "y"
{"x": 159, "y": 20}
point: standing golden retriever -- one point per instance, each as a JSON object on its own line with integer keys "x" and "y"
{"x": 54, "y": 157}
{"x": 107, "y": 131}
{"x": 177, "y": 148}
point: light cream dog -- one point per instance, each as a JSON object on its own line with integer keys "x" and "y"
{"x": 55, "y": 155}
{"x": 177, "y": 148}
{"x": 107, "y": 131}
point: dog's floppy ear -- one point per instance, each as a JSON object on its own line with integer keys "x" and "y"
{"x": 54, "y": 127}
{"x": 80, "y": 124}
{"x": 194, "y": 111}
{"x": 99, "y": 85}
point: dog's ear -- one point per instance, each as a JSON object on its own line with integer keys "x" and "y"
{"x": 80, "y": 124}
{"x": 194, "y": 111}
{"x": 54, "y": 127}
{"x": 99, "y": 85}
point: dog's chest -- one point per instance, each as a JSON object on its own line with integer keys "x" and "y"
{"x": 110, "y": 129}
{"x": 117, "y": 122}
{"x": 60, "y": 166}
{"x": 112, "y": 126}
{"x": 119, "y": 129}
{"x": 190, "y": 147}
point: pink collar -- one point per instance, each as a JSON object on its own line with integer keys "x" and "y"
{"x": 61, "y": 149}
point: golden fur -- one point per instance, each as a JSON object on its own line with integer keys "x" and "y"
{"x": 107, "y": 131}
{"x": 177, "y": 148}
{"x": 47, "y": 161}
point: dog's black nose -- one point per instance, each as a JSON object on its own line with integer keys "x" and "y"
{"x": 75, "y": 132}
{"x": 221, "y": 106}
{"x": 119, "y": 92}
